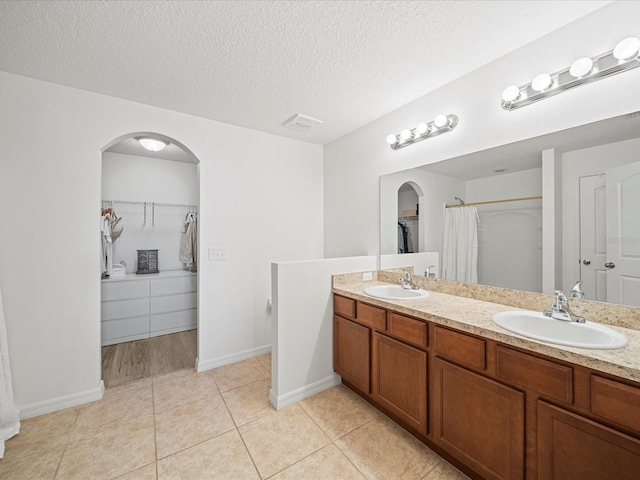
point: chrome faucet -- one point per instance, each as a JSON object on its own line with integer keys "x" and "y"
{"x": 576, "y": 291}
{"x": 427, "y": 272}
{"x": 560, "y": 309}
{"x": 407, "y": 283}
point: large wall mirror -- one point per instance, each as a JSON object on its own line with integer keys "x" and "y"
{"x": 552, "y": 210}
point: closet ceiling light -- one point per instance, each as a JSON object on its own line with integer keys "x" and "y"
{"x": 441, "y": 124}
{"x": 152, "y": 144}
{"x": 624, "y": 56}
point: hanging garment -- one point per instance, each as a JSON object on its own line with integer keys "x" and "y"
{"x": 403, "y": 244}
{"x": 188, "y": 242}
{"x": 460, "y": 245}
{"x": 9, "y": 414}
{"x": 107, "y": 244}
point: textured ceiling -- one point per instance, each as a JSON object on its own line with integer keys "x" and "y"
{"x": 257, "y": 63}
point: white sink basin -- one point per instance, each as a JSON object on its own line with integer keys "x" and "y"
{"x": 540, "y": 327}
{"x": 394, "y": 292}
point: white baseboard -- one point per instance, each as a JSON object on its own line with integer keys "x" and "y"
{"x": 291, "y": 398}
{"x": 60, "y": 403}
{"x": 202, "y": 365}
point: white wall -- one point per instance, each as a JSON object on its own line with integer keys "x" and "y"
{"x": 302, "y": 331}
{"x": 260, "y": 197}
{"x": 354, "y": 163}
{"x": 588, "y": 161}
{"x": 143, "y": 179}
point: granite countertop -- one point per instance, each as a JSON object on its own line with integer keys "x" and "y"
{"x": 474, "y": 316}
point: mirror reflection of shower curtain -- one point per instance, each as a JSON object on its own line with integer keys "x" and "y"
{"x": 460, "y": 245}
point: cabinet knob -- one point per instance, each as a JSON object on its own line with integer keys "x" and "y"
{"x": 586, "y": 261}
{"x": 610, "y": 265}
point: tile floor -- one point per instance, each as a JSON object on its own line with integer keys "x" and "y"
{"x": 218, "y": 425}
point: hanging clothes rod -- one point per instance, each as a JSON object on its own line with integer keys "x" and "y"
{"x": 153, "y": 206}
{"x": 493, "y": 201}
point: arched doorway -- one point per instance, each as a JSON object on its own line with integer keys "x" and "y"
{"x": 149, "y": 220}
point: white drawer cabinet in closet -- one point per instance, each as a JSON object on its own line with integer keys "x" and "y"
{"x": 135, "y": 307}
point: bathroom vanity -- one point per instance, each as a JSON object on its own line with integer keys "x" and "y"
{"x": 495, "y": 404}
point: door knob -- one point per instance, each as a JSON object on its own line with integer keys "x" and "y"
{"x": 586, "y": 261}
{"x": 610, "y": 265}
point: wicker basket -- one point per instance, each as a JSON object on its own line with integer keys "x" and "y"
{"x": 147, "y": 261}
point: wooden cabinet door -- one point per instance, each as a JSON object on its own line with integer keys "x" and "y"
{"x": 351, "y": 352}
{"x": 479, "y": 421}
{"x": 573, "y": 447}
{"x": 399, "y": 380}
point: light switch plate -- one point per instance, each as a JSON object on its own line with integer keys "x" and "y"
{"x": 216, "y": 254}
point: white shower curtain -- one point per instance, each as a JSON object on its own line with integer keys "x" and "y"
{"x": 460, "y": 244}
{"x": 9, "y": 414}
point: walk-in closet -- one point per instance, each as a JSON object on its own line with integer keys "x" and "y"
{"x": 149, "y": 260}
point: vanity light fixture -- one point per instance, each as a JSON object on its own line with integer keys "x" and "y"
{"x": 442, "y": 123}
{"x": 625, "y": 56}
{"x": 152, "y": 144}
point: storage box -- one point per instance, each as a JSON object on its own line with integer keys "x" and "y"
{"x": 147, "y": 261}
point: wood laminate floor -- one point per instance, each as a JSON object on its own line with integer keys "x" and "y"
{"x": 130, "y": 361}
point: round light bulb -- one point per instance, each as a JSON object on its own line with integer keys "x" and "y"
{"x": 152, "y": 144}
{"x": 541, "y": 82}
{"x": 440, "y": 121}
{"x": 627, "y": 49}
{"x": 422, "y": 128}
{"x": 391, "y": 139}
{"x": 405, "y": 134}
{"x": 581, "y": 67}
{"x": 510, "y": 93}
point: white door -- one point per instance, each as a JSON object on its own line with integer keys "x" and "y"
{"x": 623, "y": 234}
{"x": 593, "y": 248}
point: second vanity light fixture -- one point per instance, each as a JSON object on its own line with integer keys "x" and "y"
{"x": 584, "y": 70}
{"x": 442, "y": 123}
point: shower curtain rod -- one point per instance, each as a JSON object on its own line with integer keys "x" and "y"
{"x": 493, "y": 201}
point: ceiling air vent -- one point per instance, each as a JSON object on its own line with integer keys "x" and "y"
{"x": 301, "y": 123}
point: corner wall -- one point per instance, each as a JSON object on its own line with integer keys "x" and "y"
{"x": 252, "y": 187}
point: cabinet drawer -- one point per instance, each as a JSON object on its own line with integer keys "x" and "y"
{"x": 460, "y": 348}
{"x": 548, "y": 378}
{"x": 615, "y": 401}
{"x": 164, "y": 323}
{"x": 372, "y": 316}
{"x": 127, "y": 328}
{"x": 408, "y": 329}
{"x": 172, "y": 303}
{"x": 344, "y": 306}
{"x": 170, "y": 286}
{"x": 125, "y": 290}
{"x": 125, "y": 308}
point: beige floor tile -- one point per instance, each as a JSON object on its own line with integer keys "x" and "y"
{"x": 45, "y": 433}
{"x": 36, "y": 466}
{"x": 182, "y": 387}
{"x": 327, "y": 463}
{"x": 445, "y": 471}
{"x": 119, "y": 405}
{"x": 382, "y": 450}
{"x": 111, "y": 452}
{"x": 189, "y": 424}
{"x": 148, "y": 472}
{"x": 239, "y": 374}
{"x": 265, "y": 361}
{"x": 338, "y": 411}
{"x": 277, "y": 441}
{"x": 250, "y": 402}
{"x": 223, "y": 457}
